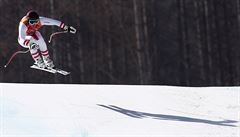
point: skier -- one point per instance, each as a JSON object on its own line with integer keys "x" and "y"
{"x": 30, "y": 37}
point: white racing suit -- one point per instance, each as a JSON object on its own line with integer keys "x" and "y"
{"x": 29, "y": 34}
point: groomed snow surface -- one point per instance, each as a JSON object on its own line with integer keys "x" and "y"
{"x": 29, "y": 110}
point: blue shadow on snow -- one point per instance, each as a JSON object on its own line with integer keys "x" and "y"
{"x": 141, "y": 115}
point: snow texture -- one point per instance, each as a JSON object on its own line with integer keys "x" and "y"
{"x": 29, "y": 110}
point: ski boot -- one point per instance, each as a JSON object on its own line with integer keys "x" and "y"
{"x": 48, "y": 62}
{"x": 39, "y": 62}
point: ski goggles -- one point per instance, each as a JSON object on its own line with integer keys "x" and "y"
{"x": 32, "y": 22}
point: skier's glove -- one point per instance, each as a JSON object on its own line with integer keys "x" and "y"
{"x": 33, "y": 46}
{"x": 70, "y": 29}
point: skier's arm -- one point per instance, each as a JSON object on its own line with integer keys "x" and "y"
{"x": 23, "y": 38}
{"x": 51, "y": 22}
{"x": 22, "y": 30}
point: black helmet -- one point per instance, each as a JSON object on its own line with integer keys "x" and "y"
{"x": 32, "y": 15}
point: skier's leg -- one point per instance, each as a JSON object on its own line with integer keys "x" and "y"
{"x": 33, "y": 50}
{"x": 44, "y": 51}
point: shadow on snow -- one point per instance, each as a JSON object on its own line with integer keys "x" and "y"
{"x": 141, "y": 115}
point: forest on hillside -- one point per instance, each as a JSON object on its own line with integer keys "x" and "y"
{"x": 146, "y": 42}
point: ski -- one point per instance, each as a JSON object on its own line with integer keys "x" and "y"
{"x": 54, "y": 70}
{"x": 63, "y": 72}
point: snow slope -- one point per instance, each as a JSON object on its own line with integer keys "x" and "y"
{"x": 29, "y": 110}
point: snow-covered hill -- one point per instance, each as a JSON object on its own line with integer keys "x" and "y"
{"x": 29, "y": 110}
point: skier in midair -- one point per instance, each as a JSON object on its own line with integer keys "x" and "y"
{"x": 30, "y": 37}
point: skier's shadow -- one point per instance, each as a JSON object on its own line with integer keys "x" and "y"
{"x": 141, "y": 115}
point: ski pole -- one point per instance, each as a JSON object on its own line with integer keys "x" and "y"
{"x": 17, "y": 52}
{"x": 56, "y": 33}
